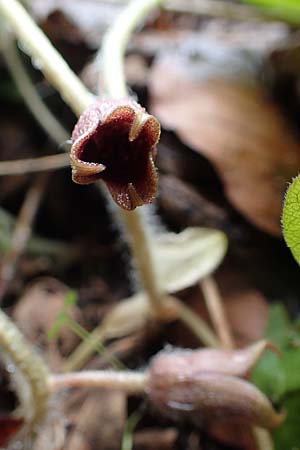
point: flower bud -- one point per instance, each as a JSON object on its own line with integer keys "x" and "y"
{"x": 115, "y": 141}
{"x": 200, "y": 396}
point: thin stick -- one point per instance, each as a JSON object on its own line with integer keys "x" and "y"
{"x": 213, "y": 300}
{"x": 217, "y": 312}
{"x": 26, "y": 88}
{"x": 131, "y": 382}
{"x": 31, "y": 165}
{"x": 22, "y": 232}
{"x": 219, "y": 9}
{"x": 50, "y": 61}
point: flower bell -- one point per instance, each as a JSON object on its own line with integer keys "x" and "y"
{"x": 115, "y": 141}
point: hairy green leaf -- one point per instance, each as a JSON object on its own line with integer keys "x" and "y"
{"x": 291, "y": 218}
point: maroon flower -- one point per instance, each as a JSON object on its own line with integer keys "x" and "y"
{"x": 115, "y": 141}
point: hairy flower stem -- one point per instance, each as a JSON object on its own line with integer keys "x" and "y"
{"x": 28, "y": 366}
{"x": 115, "y": 43}
{"x": 113, "y": 76}
{"x": 128, "y": 381}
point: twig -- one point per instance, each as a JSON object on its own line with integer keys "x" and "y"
{"x": 219, "y": 9}
{"x": 216, "y": 310}
{"x": 22, "y": 232}
{"x": 200, "y": 328}
{"x": 218, "y": 316}
{"x": 31, "y": 165}
{"x": 19, "y": 74}
{"x": 131, "y": 382}
{"x": 41, "y": 50}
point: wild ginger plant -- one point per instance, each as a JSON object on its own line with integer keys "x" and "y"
{"x": 105, "y": 128}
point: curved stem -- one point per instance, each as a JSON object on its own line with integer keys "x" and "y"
{"x": 37, "y": 107}
{"x": 131, "y": 382}
{"x": 32, "y": 369}
{"x": 41, "y": 50}
{"x": 115, "y": 42}
{"x": 113, "y": 74}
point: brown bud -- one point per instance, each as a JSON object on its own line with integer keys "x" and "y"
{"x": 192, "y": 362}
{"x": 199, "y": 397}
{"x": 115, "y": 141}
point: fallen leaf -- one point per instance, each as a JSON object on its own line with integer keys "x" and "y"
{"x": 97, "y": 419}
{"x": 36, "y": 313}
{"x": 183, "y": 259}
{"x": 235, "y": 125}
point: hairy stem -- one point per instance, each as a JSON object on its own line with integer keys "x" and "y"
{"x": 113, "y": 75}
{"x": 50, "y": 61}
{"x": 140, "y": 242}
{"x": 115, "y": 42}
{"x": 32, "y": 369}
{"x": 131, "y": 382}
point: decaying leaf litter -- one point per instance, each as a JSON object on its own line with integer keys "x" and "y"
{"x": 226, "y": 171}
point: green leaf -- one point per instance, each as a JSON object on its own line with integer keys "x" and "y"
{"x": 279, "y": 376}
{"x": 287, "y": 436}
{"x": 291, "y": 218}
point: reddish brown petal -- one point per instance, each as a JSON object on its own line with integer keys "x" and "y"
{"x": 115, "y": 141}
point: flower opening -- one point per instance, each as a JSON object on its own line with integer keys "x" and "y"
{"x": 115, "y": 141}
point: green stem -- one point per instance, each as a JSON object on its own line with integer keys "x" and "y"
{"x": 50, "y": 61}
{"x": 113, "y": 74}
{"x": 26, "y": 366}
{"x": 115, "y": 43}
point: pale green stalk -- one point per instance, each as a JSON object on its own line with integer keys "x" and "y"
{"x": 38, "y": 46}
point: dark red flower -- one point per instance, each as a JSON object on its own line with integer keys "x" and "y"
{"x": 115, "y": 141}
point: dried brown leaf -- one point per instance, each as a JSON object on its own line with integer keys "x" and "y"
{"x": 237, "y": 128}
